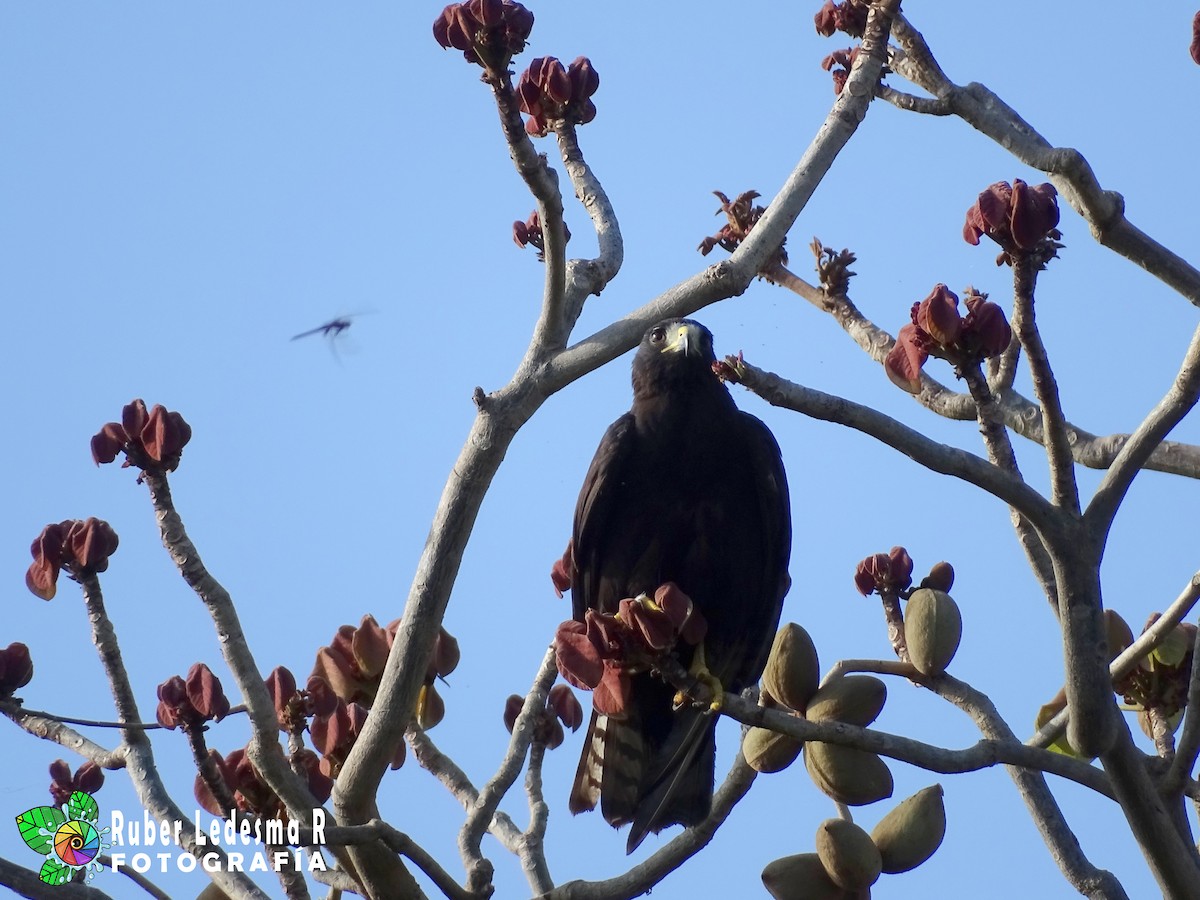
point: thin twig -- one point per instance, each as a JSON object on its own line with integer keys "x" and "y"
{"x": 479, "y": 815}
{"x": 1064, "y": 492}
{"x": 52, "y": 728}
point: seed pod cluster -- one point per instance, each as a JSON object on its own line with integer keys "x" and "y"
{"x": 850, "y": 776}
{"x": 789, "y": 680}
{"x": 848, "y": 861}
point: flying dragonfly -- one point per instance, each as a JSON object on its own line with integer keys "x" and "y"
{"x": 333, "y": 330}
{"x": 330, "y": 329}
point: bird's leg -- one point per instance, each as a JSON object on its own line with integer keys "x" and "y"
{"x": 698, "y": 670}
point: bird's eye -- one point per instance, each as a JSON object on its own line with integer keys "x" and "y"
{"x": 658, "y": 334}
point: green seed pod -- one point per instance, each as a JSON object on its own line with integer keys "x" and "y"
{"x": 800, "y": 877}
{"x": 850, "y": 776}
{"x": 910, "y": 833}
{"x": 933, "y": 628}
{"x": 769, "y": 751}
{"x": 854, "y": 699}
{"x": 793, "y": 671}
{"x": 850, "y": 857}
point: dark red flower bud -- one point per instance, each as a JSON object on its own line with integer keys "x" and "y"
{"x": 165, "y": 434}
{"x": 903, "y": 363}
{"x": 489, "y": 13}
{"x": 91, "y": 543}
{"x": 1017, "y": 217}
{"x": 518, "y": 23}
{"x": 89, "y": 778}
{"x": 520, "y": 234}
{"x": 133, "y": 418}
{"x": 560, "y": 572}
{"x": 446, "y": 655}
{"x": 108, "y": 442}
{"x": 16, "y": 668}
{"x": 319, "y": 784}
{"x": 554, "y": 736}
{"x": 42, "y": 576}
{"x": 60, "y": 773}
{"x": 1195, "y": 48}
{"x": 940, "y": 577}
{"x": 937, "y": 315}
{"x": 578, "y": 658}
{"x": 320, "y": 700}
{"x": 611, "y": 696}
{"x": 585, "y": 111}
{"x": 172, "y": 702}
{"x": 336, "y": 670}
{"x": 884, "y": 571}
{"x": 585, "y": 81}
{"x": 648, "y": 623}
{"x": 512, "y": 709}
{"x": 826, "y": 19}
{"x": 552, "y": 78}
{"x": 566, "y": 706}
{"x": 369, "y": 647}
{"x": 205, "y": 694}
{"x": 281, "y": 685}
{"x": 985, "y": 329}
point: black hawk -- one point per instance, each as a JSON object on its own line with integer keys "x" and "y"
{"x": 684, "y": 488}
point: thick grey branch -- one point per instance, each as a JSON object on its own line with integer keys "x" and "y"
{"x": 1176, "y": 404}
{"x": 52, "y": 728}
{"x": 937, "y": 457}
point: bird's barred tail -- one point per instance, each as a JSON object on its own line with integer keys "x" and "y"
{"x": 610, "y": 770}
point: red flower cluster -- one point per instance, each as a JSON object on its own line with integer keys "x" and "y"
{"x": 488, "y": 32}
{"x": 562, "y": 708}
{"x": 16, "y": 668}
{"x": 838, "y": 64}
{"x": 333, "y": 736}
{"x": 601, "y": 652}
{"x": 850, "y": 17}
{"x": 1020, "y": 218}
{"x": 1195, "y": 48}
{"x": 292, "y": 705}
{"x": 149, "y": 440}
{"x": 548, "y": 93}
{"x": 938, "y": 329}
{"x": 530, "y": 232}
{"x": 743, "y": 215}
{"x": 880, "y": 572}
{"x": 193, "y": 702}
{"x": 89, "y": 778}
{"x": 250, "y": 791}
{"x": 74, "y": 545}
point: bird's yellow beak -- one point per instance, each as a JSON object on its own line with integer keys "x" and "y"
{"x": 686, "y": 340}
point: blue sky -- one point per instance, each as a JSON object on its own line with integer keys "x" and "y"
{"x": 184, "y": 188}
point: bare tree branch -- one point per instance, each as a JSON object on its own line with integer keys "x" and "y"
{"x": 1176, "y": 404}
{"x": 25, "y": 882}
{"x": 1063, "y": 490}
{"x": 480, "y": 813}
{"x": 52, "y": 728}
{"x": 533, "y": 851}
{"x": 139, "y": 756}
{"x": 937, "y": 457}
{"x": 1070, "y": 173}
{"x": 1187, "y": 747}
{"x": 430, "y": 758}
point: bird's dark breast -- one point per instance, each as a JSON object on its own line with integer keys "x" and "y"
{"x": 690, "y": 515}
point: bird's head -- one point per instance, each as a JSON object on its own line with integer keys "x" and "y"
{"x": 674, "y": 352}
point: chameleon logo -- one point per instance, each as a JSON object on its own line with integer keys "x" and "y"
{"x": 67, "y": 837}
